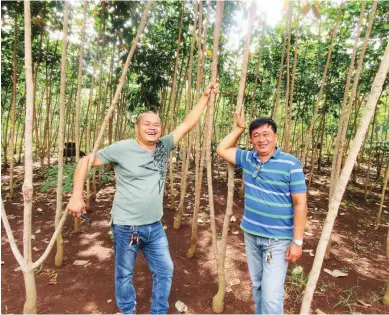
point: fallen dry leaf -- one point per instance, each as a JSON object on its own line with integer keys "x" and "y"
{"x": 39, "y": 210}
{"x": 165, "y": 227}
{"x": 35, "y": 249}
{"x": 233, "y": 218}
{"x": 37, "y": 231}
{"x": 109, "y": 301}
{"x": 228, "y": 289}
{"x": 181, "y": 307}
{"x": 319, "y": 311}
{"x": 32, "y": 236}
{"x": 80, "y": 262}
{"x": 2, "y": 262}
{"x": 52, "y": 282}
{"x": 235, "y": 232}
{"x": 18, "y": 269}
{"x": 234, "y": 282}
{"x": 309, "y": 234}
{"x": 335, "y": 273}
{"x": 186, "y": 272}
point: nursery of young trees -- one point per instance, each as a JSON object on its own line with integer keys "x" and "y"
{"x": 76, "y": 75}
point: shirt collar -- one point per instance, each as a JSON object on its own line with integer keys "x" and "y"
{"x": 274, "y": 156}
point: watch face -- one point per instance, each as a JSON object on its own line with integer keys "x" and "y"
{"x": 298, "y": 242}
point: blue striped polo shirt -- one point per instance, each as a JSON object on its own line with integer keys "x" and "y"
{"x": 268, "y": 206}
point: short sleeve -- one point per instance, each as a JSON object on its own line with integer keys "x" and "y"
{"x": 297, "y": 179}
{"x": 241, "y": 157}
{"x": 168, "y": 142}
{"x": 109, "y": 154}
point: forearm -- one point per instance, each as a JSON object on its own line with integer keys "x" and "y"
{"x": 300, "y": 218}
{"x": 80, "y": 176}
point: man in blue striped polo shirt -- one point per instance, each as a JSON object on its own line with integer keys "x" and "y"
{"x": 274, "y": 210}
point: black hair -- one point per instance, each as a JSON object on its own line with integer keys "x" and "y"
{"x": 259, "y": 122}
{"x": 140, "y": 115}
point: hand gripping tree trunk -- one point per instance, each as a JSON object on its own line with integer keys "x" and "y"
{"x": 343, "y": 179}
{"x": 61, "y": 133}
{"x": 25, "y": 261}
{"x": 218, "y": 300}
{"x": 322, "y": 85}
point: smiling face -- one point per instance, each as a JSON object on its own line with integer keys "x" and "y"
{"x": 264, "y": 140}
{"x": 148, "y": 128}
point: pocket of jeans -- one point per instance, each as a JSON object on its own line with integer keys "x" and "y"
{"x": 123, "y": 228}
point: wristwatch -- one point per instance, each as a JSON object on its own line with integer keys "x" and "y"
{"x": 299, "y": 243}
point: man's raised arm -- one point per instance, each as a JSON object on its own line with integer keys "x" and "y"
{"x": 226, "y": 149}
{"x": 76, "y": 205}
{"x": 194, "y": 115}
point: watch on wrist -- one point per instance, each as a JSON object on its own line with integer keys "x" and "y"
{"x": 299, "y": 243}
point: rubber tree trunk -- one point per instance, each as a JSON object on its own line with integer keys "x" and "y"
{"x": 289, "y": 107}
{"x": 342, "y": 138}
{"x": 199, "y": 153}
{"x": 343, "y": 179}
{"x": 286, "y": 145}
{"x": 322, "y": 85}
{"x": 61, "y": 133}
{"x": 77, "y": 225}
{"x": 218, "y": 300}
{"x": 385, "y": 299}
{"x": 172, "y": 102}
{"x": 187, "y": 148}
{"x": 13, "y": 109}
{"x": 384, "y": 184}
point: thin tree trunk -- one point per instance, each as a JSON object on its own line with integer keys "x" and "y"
{"x": 278, "y": 90}
{"x": 61, "y": 134}
{"x": 218, "y": 300}
{"x": 284, "y": 138}
{"x": 344, "y": 126}
{"x": 199, "y": 154}
{"x": 384, "y": 184}
{"x": 288, "y": 120}
{"x": 322, "y": 85}
{"x": 172, "y": 102}
{"x": 343, "y": 179}
{"x": 13, "y": 108}
{"x": 187, "y": 149}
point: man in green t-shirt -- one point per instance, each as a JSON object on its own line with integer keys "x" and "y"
{"x": 140, "y": 168}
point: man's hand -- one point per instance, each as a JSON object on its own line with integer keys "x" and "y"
{"x": 211, "y": 88}
{"x": 293, "y": 253}
{"x": 239, "y": 119}
{"x": 76, "y": 206}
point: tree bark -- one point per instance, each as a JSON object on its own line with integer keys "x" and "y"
{"x": 343, "y": 179}
{"x": 13, "y": 108}
{"x": 384, "y": 184}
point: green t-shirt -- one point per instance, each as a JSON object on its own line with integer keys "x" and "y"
{"x": 140, "y": 178}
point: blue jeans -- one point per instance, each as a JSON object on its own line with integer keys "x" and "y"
{"x": 268, "y": 277}
{"x": 154, "y": 244}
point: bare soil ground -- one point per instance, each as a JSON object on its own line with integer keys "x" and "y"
{"x": 358, "y": 251}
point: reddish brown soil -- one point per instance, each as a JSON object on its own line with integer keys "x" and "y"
{"x": 358, "y": 250}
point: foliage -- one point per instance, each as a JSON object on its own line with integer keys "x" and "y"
{"x": 51, "y": 176}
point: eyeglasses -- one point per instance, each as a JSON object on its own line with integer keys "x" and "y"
{"x": 256, "y": 172}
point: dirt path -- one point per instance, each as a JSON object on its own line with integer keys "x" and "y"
{"x": 359, "y": 251}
